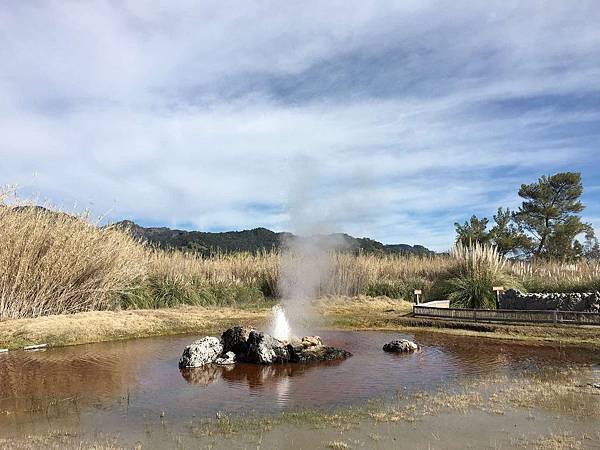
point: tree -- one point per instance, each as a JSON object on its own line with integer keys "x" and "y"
{"x": 473, "y": 231}
{"x": 507, "y": 236}
{"x": 549, "y": 213}
{"x": 591, "y": 247}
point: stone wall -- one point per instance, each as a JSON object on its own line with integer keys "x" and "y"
{"x": 572, "y": 301}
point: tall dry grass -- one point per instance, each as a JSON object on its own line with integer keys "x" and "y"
{"x": 53, "y": 263}
{"x": 556, "y": 276}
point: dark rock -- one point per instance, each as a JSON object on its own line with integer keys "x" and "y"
{"x": 400, "y": 346}
{"x": 236, "y": 340}
{"x": 265, "y": 349}
{"x": 311, "y": 349}
{"x": 317, "y": 353}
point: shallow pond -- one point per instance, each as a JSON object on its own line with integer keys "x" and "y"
{"x": 120, "y": 386}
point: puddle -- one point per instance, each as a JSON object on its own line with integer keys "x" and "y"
{"x": 119, "y": 386}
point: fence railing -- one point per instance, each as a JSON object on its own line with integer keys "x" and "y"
{"x": 509, "y": 315}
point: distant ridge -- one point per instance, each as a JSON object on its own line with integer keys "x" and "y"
{"x": 253, "y": 240}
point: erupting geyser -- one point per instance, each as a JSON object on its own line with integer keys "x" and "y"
{"x": 280, "y": 326}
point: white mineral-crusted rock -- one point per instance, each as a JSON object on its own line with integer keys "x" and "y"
{"x": 201, "y": 352}
{"x": 400, "y": 346}
{"x": 226, "y": 359}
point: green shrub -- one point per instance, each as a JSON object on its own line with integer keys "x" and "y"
{"x": 268, "y": 286}
{"x": 469, "y": 282}
{"x": 160, "y": 291}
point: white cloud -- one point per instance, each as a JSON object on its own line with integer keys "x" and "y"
{"x": 170, "y": 113}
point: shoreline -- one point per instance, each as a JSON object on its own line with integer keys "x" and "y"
{"x": 344, "y": 313}
{"x": 104, "y": 326}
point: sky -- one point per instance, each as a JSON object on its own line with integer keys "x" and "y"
{"x": 391, "y": 120}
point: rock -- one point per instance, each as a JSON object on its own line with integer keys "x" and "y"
{"x": 201, "y": 352}
{"x": 316, "y": 353}
{"x": 236, "y": 340}
{"x": 311, "y": 341}
{"x": 226, "y": 359}
{"x": 265, "y": 349}
{"x": 400, "y": 346}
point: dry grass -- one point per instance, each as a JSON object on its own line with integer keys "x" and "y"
{"x": 54, "y": 263}
{"x": 99, "y": 326}
{"x": 360, "y": 312}
{"x": 556, "y": 276}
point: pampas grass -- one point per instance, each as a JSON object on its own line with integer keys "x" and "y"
{"x": 476, "y": 270}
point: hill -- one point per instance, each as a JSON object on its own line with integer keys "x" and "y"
{"x": 254, "y": 240}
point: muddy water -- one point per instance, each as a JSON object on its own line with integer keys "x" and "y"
{"x": 117, "y": 387}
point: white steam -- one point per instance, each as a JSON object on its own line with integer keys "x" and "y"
{"x": 305, "y": 264}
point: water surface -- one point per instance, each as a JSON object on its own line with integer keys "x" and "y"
{"x": 121, "y": 386}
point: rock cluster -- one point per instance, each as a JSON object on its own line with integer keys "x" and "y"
{"x": 245, "y": 344}
{"x": 571, "y": 301}
{"x": 400, "y": 346}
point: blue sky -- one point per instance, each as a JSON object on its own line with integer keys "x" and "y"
{"x": 384, "y": 119}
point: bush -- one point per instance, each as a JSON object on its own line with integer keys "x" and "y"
{"x": 469, "y": 282}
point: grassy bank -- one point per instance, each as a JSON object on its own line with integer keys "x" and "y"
{"x": 101, "y": 326}
{"x": 353, "y": 313}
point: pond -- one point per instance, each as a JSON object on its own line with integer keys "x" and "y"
{"x": 122, "y": 386}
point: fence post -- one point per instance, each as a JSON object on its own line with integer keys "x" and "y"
{"x": 555, "y": 316}
{"x": 498, "y": 290}
{"x": 418, "y": 293}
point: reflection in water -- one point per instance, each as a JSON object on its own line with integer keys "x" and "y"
{"x": 33, "y": 382}
{"x": 204, "y": 375}
{"x": 123, "y": 385}
{"x": 276, "y": 377}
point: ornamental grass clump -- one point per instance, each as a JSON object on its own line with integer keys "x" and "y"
{"x": 477, "y": 269}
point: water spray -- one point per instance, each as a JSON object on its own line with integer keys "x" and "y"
{"x": 281, "y": 327}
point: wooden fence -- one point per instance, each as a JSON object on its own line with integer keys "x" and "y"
{"x": 509, "y": 315}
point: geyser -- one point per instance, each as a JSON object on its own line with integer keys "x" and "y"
{"x": 280, "y": 326}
